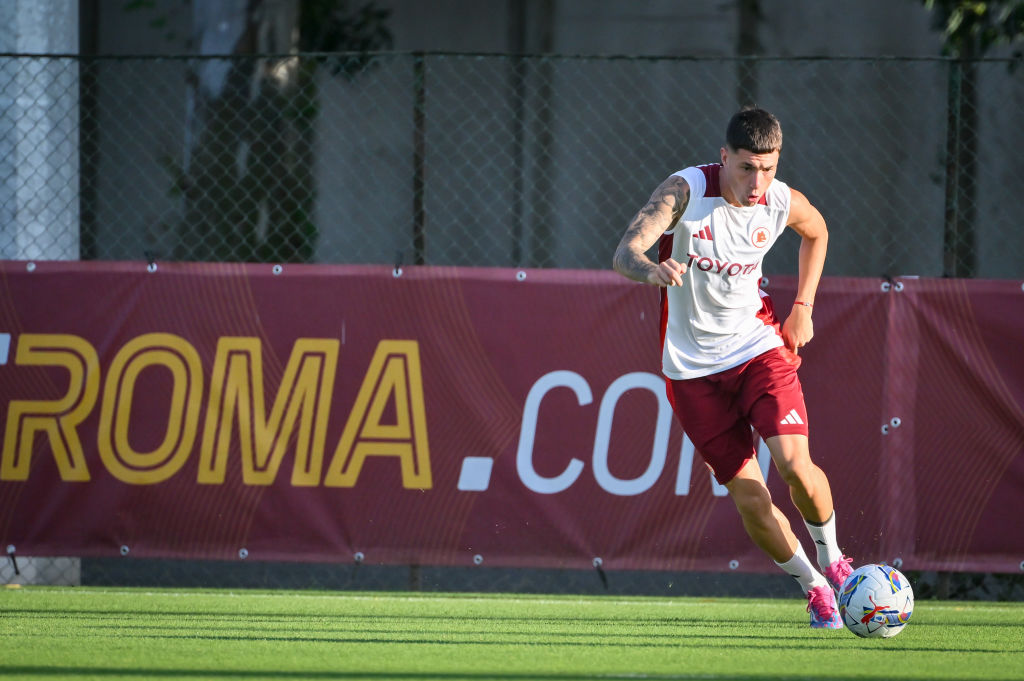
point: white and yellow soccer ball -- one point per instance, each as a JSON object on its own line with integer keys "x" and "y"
{"x": 876, "y": 601}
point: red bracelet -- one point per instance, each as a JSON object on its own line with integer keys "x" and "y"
{"x": 800, "y": 302}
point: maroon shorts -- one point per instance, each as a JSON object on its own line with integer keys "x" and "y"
{"x": 718, "y": 411}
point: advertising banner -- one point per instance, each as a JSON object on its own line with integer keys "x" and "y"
{"x": 460, "y": 416}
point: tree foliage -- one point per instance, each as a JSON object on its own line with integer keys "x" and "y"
{"x": 331, "y": 25}
{"x": 970, "y": 27}
{"x": 250, "y": 189}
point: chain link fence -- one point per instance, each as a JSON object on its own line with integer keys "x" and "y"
{"x": 493, "y": 160}
{"x": 488, "y": 160}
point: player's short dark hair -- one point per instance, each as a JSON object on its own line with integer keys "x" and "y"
{"x": 755, "y": 130}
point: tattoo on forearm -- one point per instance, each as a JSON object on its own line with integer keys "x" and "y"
{"x": 629, "y": 264}
{"x": 661, "y": 213}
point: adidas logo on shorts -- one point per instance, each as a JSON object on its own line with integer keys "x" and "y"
{"x": 792, "y": 419}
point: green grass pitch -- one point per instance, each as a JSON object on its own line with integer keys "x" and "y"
{"x": 92, "y": 633}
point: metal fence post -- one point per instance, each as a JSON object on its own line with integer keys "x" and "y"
{"x": 959, "y": 237}
{"x": 949, "y": 240}
{"x": 418, "y": 158}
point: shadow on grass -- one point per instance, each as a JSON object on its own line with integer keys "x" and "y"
{"x": 114, "y": 672}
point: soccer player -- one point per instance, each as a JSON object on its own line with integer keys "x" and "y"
{"x": 728, "y": 363}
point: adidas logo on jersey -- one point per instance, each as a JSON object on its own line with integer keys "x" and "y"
{"x": 704, "y": 233}
{"x": 792, "y": 419}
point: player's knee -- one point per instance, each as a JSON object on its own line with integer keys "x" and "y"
{"x": 752, "y": 501}
{"x": 797, "y": 472}
{"x": 791, "y": 457}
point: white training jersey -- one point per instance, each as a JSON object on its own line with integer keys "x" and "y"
{"x": 716, "y": 320}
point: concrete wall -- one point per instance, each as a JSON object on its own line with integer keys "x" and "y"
{"x": 864, "y": 140}
{"x": 39, "y": 131}
{"x": 695, "y": 28}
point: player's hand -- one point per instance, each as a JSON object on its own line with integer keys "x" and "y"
{"x": 798, "y": 329}
{"x": 668, "y": 273}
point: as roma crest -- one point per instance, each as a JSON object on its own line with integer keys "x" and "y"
{"x": 760, "y": 237}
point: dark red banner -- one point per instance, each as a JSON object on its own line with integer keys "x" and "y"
{"x": 454, "y": 416}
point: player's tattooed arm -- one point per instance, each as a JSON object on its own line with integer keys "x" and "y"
{"x": 661, "y": 213}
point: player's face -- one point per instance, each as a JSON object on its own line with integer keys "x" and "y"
{"x": 746, "y": 175}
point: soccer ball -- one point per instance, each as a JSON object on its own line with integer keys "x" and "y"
{"x": 876, "y": 600}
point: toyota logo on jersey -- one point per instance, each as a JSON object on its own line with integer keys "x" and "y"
{"x": 725, "y": 268}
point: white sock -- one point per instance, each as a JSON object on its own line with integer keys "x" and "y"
{"x": 799, "y": 568}
{"x": 824, "y": 536}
